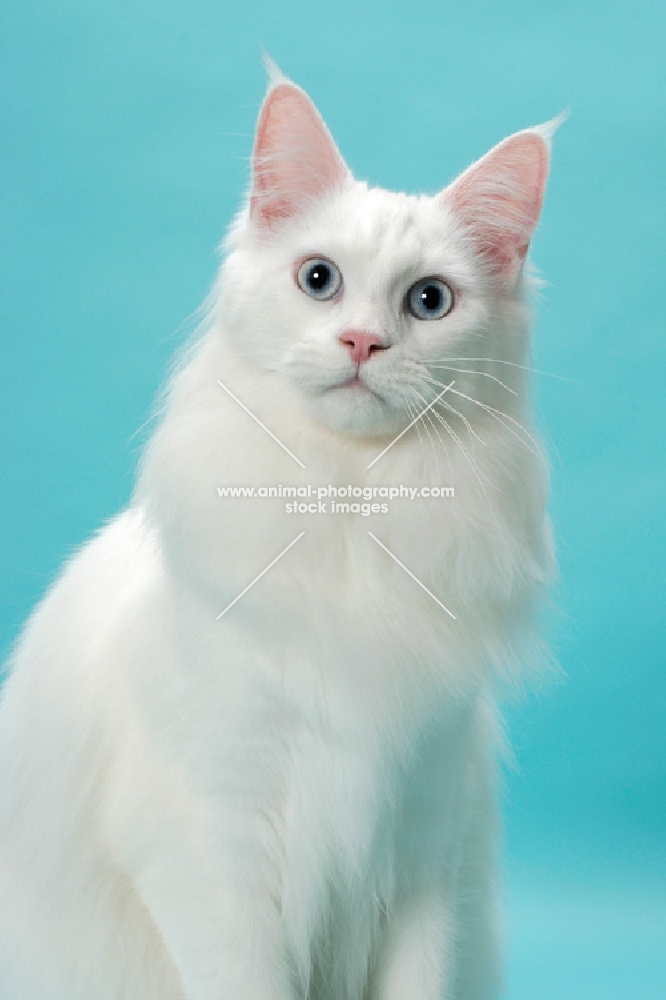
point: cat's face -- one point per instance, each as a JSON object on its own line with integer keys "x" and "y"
{"x": 356, "y": 298}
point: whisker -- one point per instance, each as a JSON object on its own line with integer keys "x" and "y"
{"x": 427, "y": 431}
{"x": 513, "y": 364}
{"x": 472, "y": 463}
{"x": 412, "y": 412}
{"x": 468, "y": 371}
{"x": 498, "y": 414}
{"x": 427, "y": 416}
{"x": 456, "y": 439}
{"x": 452, "y": 409}
{"x": 435, "y": 428}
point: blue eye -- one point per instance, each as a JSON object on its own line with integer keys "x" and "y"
{"x": 319, "y": 278}
{"x": 430, "y": 298}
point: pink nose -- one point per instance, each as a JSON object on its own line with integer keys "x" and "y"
{"x": 361, "y": 345}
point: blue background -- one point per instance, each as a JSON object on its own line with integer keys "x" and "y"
{"x": 126, "y": 131}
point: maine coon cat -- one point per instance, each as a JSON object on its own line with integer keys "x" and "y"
{"x": 293, "y": 794}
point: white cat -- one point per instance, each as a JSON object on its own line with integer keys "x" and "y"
{"x": 295, "y": 798}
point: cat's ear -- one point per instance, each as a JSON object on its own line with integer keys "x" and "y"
{"x": 498, "y": 199}
{"x": 295, "y": 160}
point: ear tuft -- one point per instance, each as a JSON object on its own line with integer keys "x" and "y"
{"x": 548, "y": 129}
{"x": 273, "y": 71}
{"x": 295, "y": 160}
{"x": 499, "y": 198}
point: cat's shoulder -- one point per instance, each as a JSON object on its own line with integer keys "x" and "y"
{"x": 117, "y": 558}
{"x": 100, "y": 581}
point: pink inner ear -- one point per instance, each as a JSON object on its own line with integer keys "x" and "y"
{"x": 499, "y": 199}
{"x": 295, "y": 159}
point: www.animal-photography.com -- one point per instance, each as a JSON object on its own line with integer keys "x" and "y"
{"x": 331, "y": 614}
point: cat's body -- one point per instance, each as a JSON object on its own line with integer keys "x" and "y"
{"x": 297, "y": 799}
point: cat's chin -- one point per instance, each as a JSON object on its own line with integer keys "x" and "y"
{"x": 355, "y": 409}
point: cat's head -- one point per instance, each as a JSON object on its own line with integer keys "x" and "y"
{"x": 365, "y": 303}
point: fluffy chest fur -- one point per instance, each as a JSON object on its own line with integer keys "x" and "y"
{"x": 330, "y": 776}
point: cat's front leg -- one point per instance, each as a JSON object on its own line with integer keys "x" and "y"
{"x": 201, "y": 880}
{"x": 416, "y": 953}
{"x": 442, "y": 942}
{"x": 224, "y": 940}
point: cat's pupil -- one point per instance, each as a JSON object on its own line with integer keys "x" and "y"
{"x": 319, "y": 277}
{"x": 431, "y": 297}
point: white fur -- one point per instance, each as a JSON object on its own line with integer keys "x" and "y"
{"x": 298, "y": 799}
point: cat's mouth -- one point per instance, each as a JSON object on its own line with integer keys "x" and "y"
{"x": 350, "y": 404}
{"x": 356, "y": 384}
